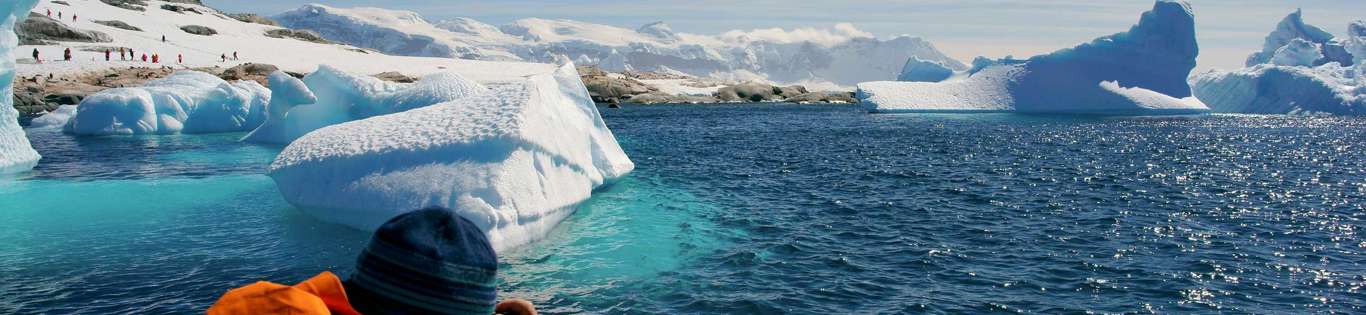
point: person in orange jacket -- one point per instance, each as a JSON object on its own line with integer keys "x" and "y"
{"x": 430, "y": 261}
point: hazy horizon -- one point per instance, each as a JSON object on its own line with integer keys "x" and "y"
{"x": 1228, "y": 30}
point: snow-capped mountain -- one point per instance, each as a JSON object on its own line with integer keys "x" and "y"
{"x": 842, "y": 55}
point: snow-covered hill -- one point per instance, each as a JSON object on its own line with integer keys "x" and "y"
{"x": 249, "y": 40}
{"x": 843, "y": 55}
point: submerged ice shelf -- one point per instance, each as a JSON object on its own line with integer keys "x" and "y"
{"x": 515, "y": 159}
{"x": 1099, "y": 77}
{"x": 16, "y": 153}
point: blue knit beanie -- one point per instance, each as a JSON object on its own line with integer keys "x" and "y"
{"x": 429, "y": 261}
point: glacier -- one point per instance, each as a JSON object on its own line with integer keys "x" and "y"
{"x": 16, "y": 153}
{"x": 186, "y": 101}
{"x": 918, "y": 70}
{"x": 331, "y": 96}
{"x": 515, "y": 159}
{"x": 1300, "y": 70}
{"x": 843, "y": 55}
{"x": 1100, "y": 77}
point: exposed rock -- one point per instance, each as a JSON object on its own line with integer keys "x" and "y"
{"x": 395, "y": 77}
{"x": 179, "y": 9}
{"x": 62, "y": 3}
{"x": 662, "y": 98}
{"x": 253, "y": 18}
{"x": 118, "y": 24}
{"x": 824, "y": 97}
{"x": 749, "y": 92}
{"x": 607, "y": 87}
{"x": 303, "y": 35}
{"x": 198, "y": 30}
{"x": 135, "y": 5}
{"x": 39, "y": 29}
{"x": 194, "y": 2}
{"x": 249, "y": 71}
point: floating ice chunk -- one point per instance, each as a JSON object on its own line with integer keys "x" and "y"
{"x": 917, "y": 70}
{"x": 515, "y": 160}
{"x": 55, "y": 119}
{"x": 1271, "y": 89}
{"x": 1290, "y": 28}
{"x": 286, "y": 93}
{"x": 341, "y": 97}
{"x": 186, "y": 101}
{"x": 1156, "y": 55}
{"x": 1298, "y": 52}
{"x": 16, "y": 153}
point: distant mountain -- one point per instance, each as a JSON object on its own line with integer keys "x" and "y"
{"x": 843, "y": 55}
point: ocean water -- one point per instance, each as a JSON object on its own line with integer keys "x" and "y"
{"x": 768, "y": 209}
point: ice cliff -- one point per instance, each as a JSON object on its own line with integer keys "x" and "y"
{"x": 186, "y": 101}
{"x": 515, "y": 157}
{"x": 1300, "y": 70}
{"x": 1141, "y": 71}
{"x": 16, "y": 153}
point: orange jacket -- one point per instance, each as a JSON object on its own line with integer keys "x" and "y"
{"x": 322, "y": 294}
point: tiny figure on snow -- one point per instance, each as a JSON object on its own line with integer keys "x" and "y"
{"x": 107, "y": 54}
{"x": 67, "y": 55}
{"x": 35, "y": 56}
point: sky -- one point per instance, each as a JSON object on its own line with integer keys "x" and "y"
{"x": 1228, "y": 30}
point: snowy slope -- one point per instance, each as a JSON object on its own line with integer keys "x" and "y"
{"x": 843, "y": 55}
{"x": 1301, "y": 70}
{"x": 16, "y": 154}
{"x": 515, "y": 159}
{"x": 1141, "y": 71}
{"x": 247, "y": 39}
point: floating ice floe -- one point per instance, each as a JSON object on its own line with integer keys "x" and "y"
{"x": 1142, "y": 71}
{"x": 330, "y": 96}
{"x": 186, "y": 101}
{"x": 57, "y": 118}
{"x": 514, "y": 157}
{"x": 16, "y": 153}
{"x": 1300, "y": 70}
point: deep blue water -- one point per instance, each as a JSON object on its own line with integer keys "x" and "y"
{"x": 769, "y": 209}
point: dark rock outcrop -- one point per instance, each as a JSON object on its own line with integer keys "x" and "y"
{"x": 118, "y": 24}
{"x": 199, "y": 30}
{"x": 303, "y": 35}
{"x": 393, "y": 76}
{"x": 39, "y": 29}
{"x": 249, "y": 71}
{"x": 606, "y": 87}
{"x": 180, "y": 9}
{"x": 758, "y": 92}
{"x": 135, "y": 5}
{"x": 253, "y": 18}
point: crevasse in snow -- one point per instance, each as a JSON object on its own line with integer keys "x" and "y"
{"x": 186, "y": 101}
{"x": 515, "y": 158}
{"x": 16, "y": 153}
{"x": 1301, "y": 70}
{"x": 1141, "y": 71}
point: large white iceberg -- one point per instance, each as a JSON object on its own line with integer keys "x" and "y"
{"x": 330, "y": 96}
{"x": 1142, "y": 71}
{"x": 16, "y": 153}
{"x": 186, "y": 101}
{"x": 515, "y": 159}
{"x": 1300, "y": 70}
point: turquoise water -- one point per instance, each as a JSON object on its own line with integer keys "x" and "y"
{"x": 768, "y": 209}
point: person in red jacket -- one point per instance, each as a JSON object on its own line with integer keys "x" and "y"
{"x": 156, "y": 58}
{"x": 107, "y": 53}
{"x": 144, "y": 57}
{"x": 67, "y": 55}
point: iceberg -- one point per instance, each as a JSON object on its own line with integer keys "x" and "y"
{"x": 55, "y": 119}
{"x": 331, "y": 96}
{"x": 1301, "y": 70}
{"x": 515, "y": 158}
{"x": 918, "y": 70}
{"x": 1100, "y": 77}
{"x": 16, "y": 153}
{"x": 186, "y": 101}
